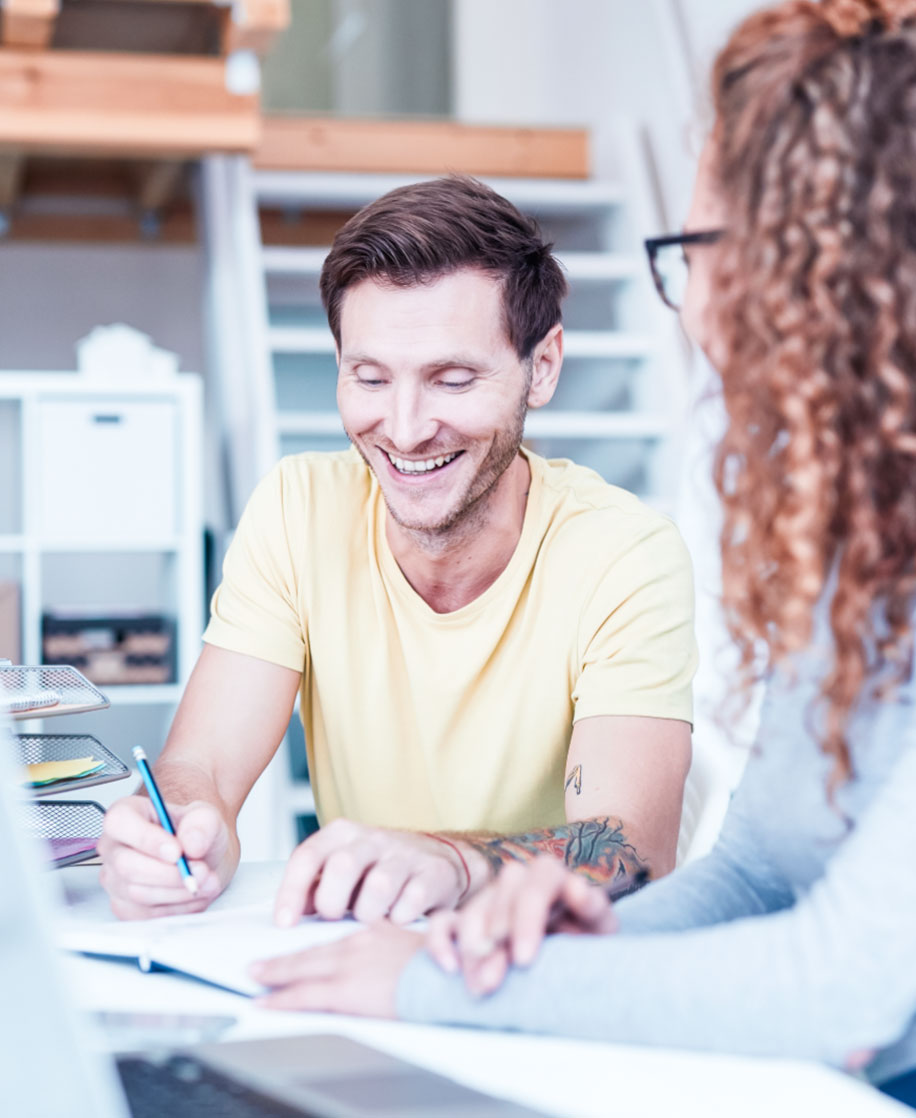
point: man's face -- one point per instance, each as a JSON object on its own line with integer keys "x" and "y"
{"x": 431, "y": 393}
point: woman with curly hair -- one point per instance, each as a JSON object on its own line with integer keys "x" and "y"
{"x": 795, "y": 935}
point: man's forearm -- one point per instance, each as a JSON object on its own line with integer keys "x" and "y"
{"x": 598, "y": 848}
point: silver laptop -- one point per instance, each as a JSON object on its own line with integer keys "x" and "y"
{"x": 48, "y": 1070}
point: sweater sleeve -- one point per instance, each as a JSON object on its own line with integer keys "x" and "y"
{"x": 827, "y": 976}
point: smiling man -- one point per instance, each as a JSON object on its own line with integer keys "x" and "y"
{"x": 493, "y": 652}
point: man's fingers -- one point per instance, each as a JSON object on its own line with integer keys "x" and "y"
{"x": 131, "y": 866}
{"x": 380, "y": 889}
{"x": 299, "y": 878}
{"x": 430, "y": 888}
{"x": 341, "y": 876}
{"x": 131, "y": 822}
{"x": 304, "y": 871}
{"x": 199, "y": 827}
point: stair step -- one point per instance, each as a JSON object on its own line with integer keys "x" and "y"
{"x": 340, "y": 191}
{"x": 582, "y": 267}
{"x": 576, "y": 343}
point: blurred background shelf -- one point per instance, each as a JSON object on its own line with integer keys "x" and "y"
{"x": 103, "y": 538}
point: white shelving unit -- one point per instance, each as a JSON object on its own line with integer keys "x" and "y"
{"x": 101, "y": 508}
{"x": 619, "y": 406}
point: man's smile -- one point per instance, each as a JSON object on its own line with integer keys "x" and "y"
{"x": 421, "y": 465}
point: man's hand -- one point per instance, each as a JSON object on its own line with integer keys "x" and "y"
{"x": 506, "y": 922}
{"x": 371, "y": 872}
{"x": 357, "y": 974}
{"x": 139, "y": 858}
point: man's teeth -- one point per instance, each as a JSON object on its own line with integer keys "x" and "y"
{"x": 408, "y": 467}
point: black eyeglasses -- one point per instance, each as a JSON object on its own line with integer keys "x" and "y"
{"x": 669, "y": 265}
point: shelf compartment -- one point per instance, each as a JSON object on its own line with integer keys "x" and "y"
{"x": 76, "y": 693}
{"x": 37, "y": 748}
{"x": 69, "y": 828}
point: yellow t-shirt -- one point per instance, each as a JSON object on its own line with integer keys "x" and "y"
{"x": 456, "y": 721}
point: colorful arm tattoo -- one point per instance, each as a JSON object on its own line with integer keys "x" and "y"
{"x": 598, "y": 848}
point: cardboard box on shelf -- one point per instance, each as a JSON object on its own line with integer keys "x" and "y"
{"x": 112, "y": 647}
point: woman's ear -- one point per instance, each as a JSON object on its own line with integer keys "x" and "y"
{"x": 546, "y": 362}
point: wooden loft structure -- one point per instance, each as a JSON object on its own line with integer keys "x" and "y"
{"x": 104, "y": 105}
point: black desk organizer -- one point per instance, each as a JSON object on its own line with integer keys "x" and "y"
{"x": 70, "y": 828}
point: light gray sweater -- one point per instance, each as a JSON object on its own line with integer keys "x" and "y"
{"x": 795, "y": 936}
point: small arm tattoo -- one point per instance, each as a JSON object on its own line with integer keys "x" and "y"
{"x": 575, "y": 779}
{"x": 598, "y": 848}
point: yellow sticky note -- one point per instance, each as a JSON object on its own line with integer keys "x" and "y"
{"x": 47, "y": 772}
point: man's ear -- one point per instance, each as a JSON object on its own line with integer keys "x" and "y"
{"x": 546, "y": 361}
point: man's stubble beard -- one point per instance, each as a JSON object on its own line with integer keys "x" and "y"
{"x": 471, "y": 511}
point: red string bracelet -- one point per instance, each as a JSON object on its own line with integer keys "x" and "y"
{"x": 467, "y": 872}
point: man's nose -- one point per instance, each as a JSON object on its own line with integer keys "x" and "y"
{"x": 410, "y": 422}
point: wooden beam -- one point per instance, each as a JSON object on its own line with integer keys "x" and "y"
{"x": 420, "y": 147}
{"x": 255, "y": 25}
{"x": 175, "y": 228}
{"x": 11, "y": 167}
{"x": 27, "y": 23}
{"x": 128, "y": 104}
{"x": 158, "y": 182}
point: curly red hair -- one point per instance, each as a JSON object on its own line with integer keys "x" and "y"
{"x": 815, "y": 307}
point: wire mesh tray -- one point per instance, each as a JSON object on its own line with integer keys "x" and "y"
{"x": 42, "y": 692}
{"x": 37, "y": 748}
{"x": 69, "y": 828}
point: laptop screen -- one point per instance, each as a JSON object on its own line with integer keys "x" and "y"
{"x": 45, "y": 1068}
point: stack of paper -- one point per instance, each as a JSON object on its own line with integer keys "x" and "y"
{"x": 49, "y": 772}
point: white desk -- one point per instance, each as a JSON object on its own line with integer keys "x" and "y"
{"x": 571, "y": 1078}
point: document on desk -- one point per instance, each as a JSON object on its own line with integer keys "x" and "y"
{"x": 215, "y": 947}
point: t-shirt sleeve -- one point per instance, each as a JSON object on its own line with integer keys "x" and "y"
{"x": 637, "y": 650}
{"x": 255, "y": 609}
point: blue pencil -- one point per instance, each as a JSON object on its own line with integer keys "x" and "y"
{"x": 159, "y": 804}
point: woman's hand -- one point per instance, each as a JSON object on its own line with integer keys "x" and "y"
{"x": 356, "y": 974}
{"x": 506, "y": 922}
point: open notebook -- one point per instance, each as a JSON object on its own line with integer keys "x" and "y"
{"x": 216, "y": 946}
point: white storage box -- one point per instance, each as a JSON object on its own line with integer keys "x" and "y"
{"x": 107, "y": 470}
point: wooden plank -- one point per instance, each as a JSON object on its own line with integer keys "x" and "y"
{"x": 129, "y": 104}
{"x": 255, "y": 25}
{"x": 28, "y": 23}
{"x": 11, "y": 168}
{"x": 175, "y": 228}
{"x": 309, "y": 227}
{"x": 421, "y": 147}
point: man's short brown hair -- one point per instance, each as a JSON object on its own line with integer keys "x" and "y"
{"x": 418, "y": 233}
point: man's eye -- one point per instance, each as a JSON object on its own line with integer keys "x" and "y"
{"x": 370, "y": 382}
{"x": 457, "y": 383}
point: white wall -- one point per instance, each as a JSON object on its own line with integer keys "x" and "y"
{"x": 52, "y": 295}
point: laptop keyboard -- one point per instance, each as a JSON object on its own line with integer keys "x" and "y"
{"x": 181, "y": 1087}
